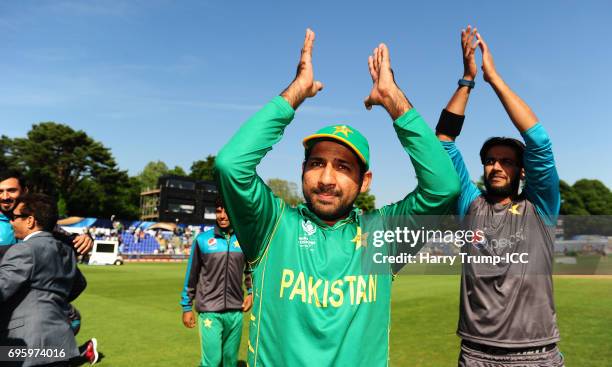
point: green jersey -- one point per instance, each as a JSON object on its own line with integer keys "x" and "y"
{"x": 315, "y": 302}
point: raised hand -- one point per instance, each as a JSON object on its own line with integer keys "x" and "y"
{"x": 385, "y": 91}
{"x": 469, "y": 50}
{"x": 488, "y": 66}
{"x": 303, "y": 86}
{"x": 519, "y": 112}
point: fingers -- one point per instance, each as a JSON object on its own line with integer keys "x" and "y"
{"x": 379, "y": 66}
{"x": 317, "y": 86}
{"x": 481, "y": 43}
{"x": 82, "y": 244}
{"x": 474, "y": 46}
{"x": 375, "y": 61}
{"x": 464, "y": 36}
{"x": 470, "y": 38}
{"x": 372, "y": 70}
{"x": 385, "y": 61}
{"x": 78, "y": 243}
{"x": 467, "y": 37}
{"x": 189, "y": 321}
{"x": 247, "y": 303}
{"x": 307, "y": 48}
{"x": 379, "y": 56}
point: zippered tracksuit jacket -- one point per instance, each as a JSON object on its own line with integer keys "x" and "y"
{"x": 213, "y": 286}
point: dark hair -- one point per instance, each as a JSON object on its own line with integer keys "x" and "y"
{"x": 42, "y": 207}
{"x": 219, "y": 202}
{"x": 5, "y": 174}
{"x": 362, "y": 166}
{"x": 514, "y": 144}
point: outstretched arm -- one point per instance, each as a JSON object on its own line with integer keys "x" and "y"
{"x": 541, "y": 178}
{"x": 455, "y": 109}
{"x": 519, "y": 112}
{"x": 82, "y": 243}
{"x": 451, "y": 120}
{"x": 385, "y": 91}
{"x": 252, "y": 207}
{"x": 438, "y": 184}
{"x": 304, "y": 85}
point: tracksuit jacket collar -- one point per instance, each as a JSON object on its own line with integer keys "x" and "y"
{"x": 220, "y": 233}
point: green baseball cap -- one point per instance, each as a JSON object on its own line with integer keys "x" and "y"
{"x": 346, "y": 135}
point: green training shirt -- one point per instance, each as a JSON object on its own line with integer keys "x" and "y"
{"x": 317, "y": 302}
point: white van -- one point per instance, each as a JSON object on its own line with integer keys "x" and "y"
{"x": 105, "y": 253}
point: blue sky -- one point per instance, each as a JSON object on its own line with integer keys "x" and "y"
{"x": 173, "y": 80}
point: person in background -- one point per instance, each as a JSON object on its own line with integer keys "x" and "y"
{"x": 214, "y": 281}
{"x": 37, "y": 280}
{"x": 12, "y": 186}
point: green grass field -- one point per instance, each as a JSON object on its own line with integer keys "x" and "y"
{"x": 133, "y": 311}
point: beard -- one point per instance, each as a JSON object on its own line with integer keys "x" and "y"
{"x": 509, "y": 189}
{"x": 328, "y": 211}
{"x": 7, "y": 205}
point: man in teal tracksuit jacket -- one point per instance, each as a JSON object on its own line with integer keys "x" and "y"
{"x": 213, "y": 282}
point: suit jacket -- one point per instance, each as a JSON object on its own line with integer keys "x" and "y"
{"x": 36, "y": 279}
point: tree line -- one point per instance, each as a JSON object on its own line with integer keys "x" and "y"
{"x": 83, "y": 174}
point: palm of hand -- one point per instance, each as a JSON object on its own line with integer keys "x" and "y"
{"x": 383, "y": 84}
{"x": 488, "y": 66}
{"x": 470, "y": 67}
{"x": 305, "y": 78}
{"x": 382, "y": 77}
{"x": 469, "y": 61}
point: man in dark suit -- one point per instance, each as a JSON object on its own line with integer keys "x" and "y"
{"x": 36, "y": 281}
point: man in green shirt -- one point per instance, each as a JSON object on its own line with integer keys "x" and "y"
{"x": 317, "y": 301}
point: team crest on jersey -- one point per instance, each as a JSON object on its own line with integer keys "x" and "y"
{"x": 308, "y": 227}
{"x": 212, "y": 242}
{"x": 305, "y": 241}
{"x": 514, "y": 209}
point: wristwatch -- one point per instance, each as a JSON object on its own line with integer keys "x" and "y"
{"x": 466, "y": 83}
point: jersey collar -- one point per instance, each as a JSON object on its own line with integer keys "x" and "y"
{"x": 306, "y": 212}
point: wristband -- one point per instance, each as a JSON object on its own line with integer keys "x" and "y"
{"x": 449, "y": 124}
{"x": 466, "y": 83}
